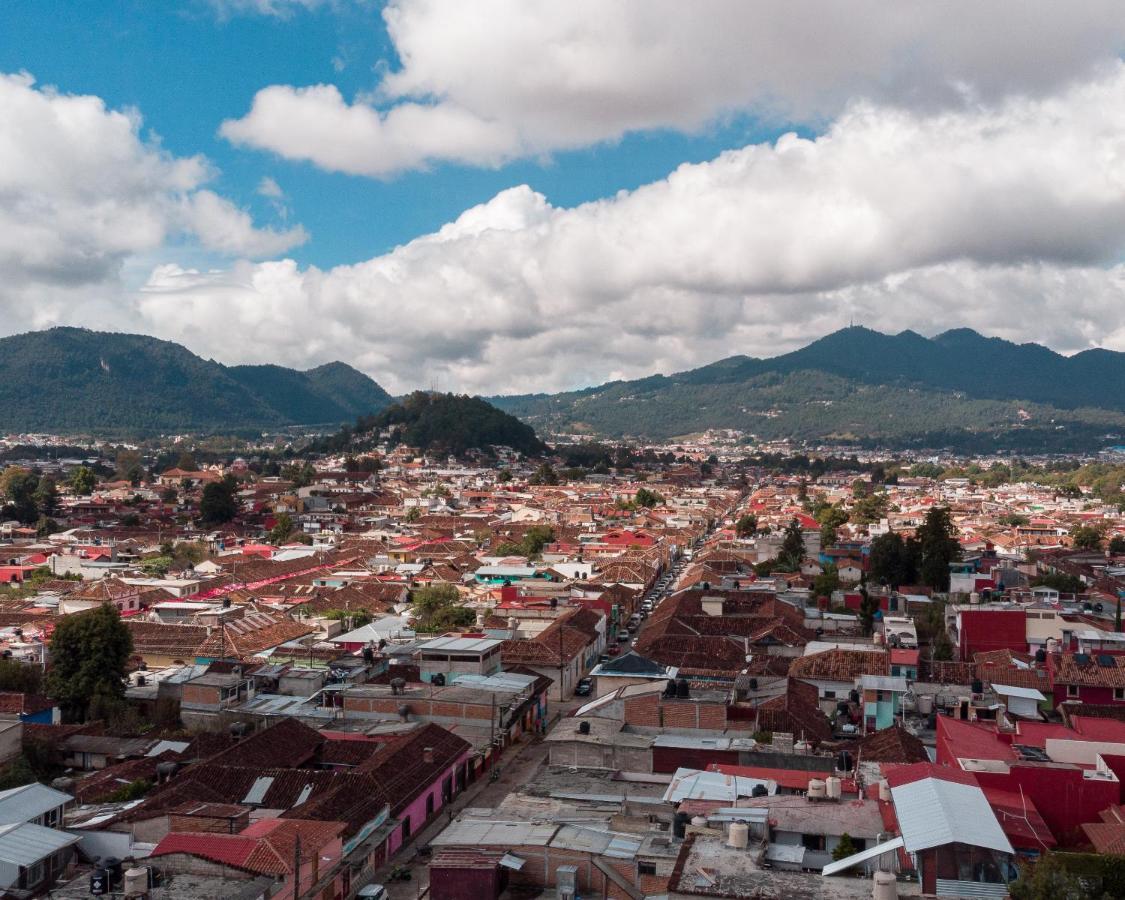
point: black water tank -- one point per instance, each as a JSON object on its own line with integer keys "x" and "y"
{"x": 844, "y": 761}
{"x": 679, "y": 824}
{"x": 682, "y": 689}
{"x": 753, "y": 684}
{"x": 1040, "y": 656}
{"x": 99, "y": 882}
{"x": 438, "y": 680}
{"x": 112, "y": 866}
{"x": 978, "y": 686}
{"x": 670, "y": 689}
{"x": 760, "y": 790}
{"x": 584, "y": 727}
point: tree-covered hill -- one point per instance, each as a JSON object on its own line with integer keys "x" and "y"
{"x": 440, "y": 423}
{"x": 959, "y": 389}
{"x": 71, "y": 380}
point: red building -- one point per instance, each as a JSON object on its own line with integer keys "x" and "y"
{"x": 1097, "y": 678}
{"x": 981, "y": 630}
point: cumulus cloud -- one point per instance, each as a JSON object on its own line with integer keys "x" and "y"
{"x": 486, "y": 82}
{"x": 1007, "y": 216}
{"x": 81, "y": 193}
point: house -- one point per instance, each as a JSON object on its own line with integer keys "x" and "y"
{"x": 456, "y": 654}
{"x": 294, "y": 851}
{"x": 1096, "y": 679}
{"x": 628, "y": 669}
{"x": 34, "y": 850}
{"x": 947, "y": 825}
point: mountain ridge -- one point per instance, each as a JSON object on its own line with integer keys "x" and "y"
{"x": 954, "y": 385}
{"x": 72, "y": 380}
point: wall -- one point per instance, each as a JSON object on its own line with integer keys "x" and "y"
{"x": 992, "y": 630}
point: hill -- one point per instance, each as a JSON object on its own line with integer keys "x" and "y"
{"x": 959, "y": 390}
{"x": 439, "y": 423}
{"x": 70, "y": 380}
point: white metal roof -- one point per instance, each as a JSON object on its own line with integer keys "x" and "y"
{"x": 24, "y": 844}
{"x": 21, "y": 804}
{"x": 459, "y": 645}
{"x": 691, "y": 784}
{"x": 932, "y": 812}
{"x": 1007, "y": 690}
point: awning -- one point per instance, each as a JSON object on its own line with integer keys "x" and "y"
{"x": 847, "y": 862}
{"x": 511, "y": 861}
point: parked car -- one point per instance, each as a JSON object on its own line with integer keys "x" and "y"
{"x": 584, "y": 688}
{"x": 372, "y": 892}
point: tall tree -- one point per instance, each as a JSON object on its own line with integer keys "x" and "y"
{"x": 746, "y": 525}
{"x": 82, "y": 481}
{"x": 1086, "y": 537}
{"x": 89, "y": 655}
{"x": 894, "y": 561}
{"x": 217, "y": 504}
{"x": 792, "y": 548}
{"x": 17, "y": 489}
{"x": 940, "y": 547}
{"x": 47, "y": 496}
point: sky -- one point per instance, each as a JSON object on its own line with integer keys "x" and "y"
{"x": 511, "y": 196}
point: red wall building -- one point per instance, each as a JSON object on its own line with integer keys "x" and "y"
{"x": 995, "y": 629}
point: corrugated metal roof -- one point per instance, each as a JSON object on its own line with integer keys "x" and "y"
{"x": 932, "y": 812}
{"x": 1007, "y": 690}
{"x": 695, "y": 785}
{"x": 20, "y": 804}
{"x": 258, "y": 789}
{"x": 25, "y": 844}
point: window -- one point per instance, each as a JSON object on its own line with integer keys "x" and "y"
{"x": 829, "y": 695}
{"x": 1119, "y": 693}
{"x": 812, "y": 841}
{"x": 646, "y": 869}
{"x": 1072, "y": 690}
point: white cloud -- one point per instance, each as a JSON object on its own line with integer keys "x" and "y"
{"x": 489, "y": 81}
{"x": 81, "y": 194}
{"x": 267, "y": 187}
{"x": 1009, "y": 217}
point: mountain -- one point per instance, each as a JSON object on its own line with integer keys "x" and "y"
{"x": 439, "y": 423}
{"x": 69, "y": 380}
{"x": 959, "y": 389}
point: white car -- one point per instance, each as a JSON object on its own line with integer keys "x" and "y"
{"x": 372, "y": 892}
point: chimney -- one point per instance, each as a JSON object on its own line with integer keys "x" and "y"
{"x": 427, "y": 754}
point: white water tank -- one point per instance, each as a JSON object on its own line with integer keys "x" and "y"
{"x": 1052, "y": 645}
{"x": 513, "y": 624}
{"x": 974, "y": 597}
{"x": 833, "y": 787}
{"x": 886, "y": 887}
{"x": 878, "y": 636}
{"x": 925, "y": 704}
{"x": 818, "y": 790}
{"x": 699, "y": 821}
{"x": 884, "y": 791}
{"x": 739, "y": 835}
{"x": 136, "y": 882}
{"x": 802, "y": 747}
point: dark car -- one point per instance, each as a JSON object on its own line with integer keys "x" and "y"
{"x": 584, "y": 687}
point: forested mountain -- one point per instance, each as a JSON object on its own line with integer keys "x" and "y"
{"x": 958, "y": 389}
{"x": 439, "y": 423}
{"x": 70, "y": 380}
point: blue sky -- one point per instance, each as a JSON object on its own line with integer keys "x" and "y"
{"x": 188, "y": 71}
{"x": 527, "y": 195}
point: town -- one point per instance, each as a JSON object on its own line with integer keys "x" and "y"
{"x": 666, "y": 671}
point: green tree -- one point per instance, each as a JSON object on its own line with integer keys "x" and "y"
{"x": 186, "y": 461}
{"x": 217, "y": 504}
{"x": 282, "y": 528}
{"x": 89, "y": 655}
{"x": 746, "y": 526}
{"x": 544, "y": 475}
{"x": 868, "y": 606}
{"x": 894, "y": 561}
{"x": 1086, "y": 537}
{"x": 129, "y": 466}
{"x": 47, "y": 496}
{"x": 413, "y": 514}
{"x": 845, "y": 848}
{"x": 17, "y": 488}
{"x": 19, "y": 677}
{"x": 939, "y": 545}
{"x": 792, "y": 548}
{"x": 826, "y": 582}
{"x": 535, "y": 539}
{"x": 82, "y": 481}
{"x": 830, "y": 519}
{"x": 646, "y": 498}
{"x": 1047, "y": 879}
{"x": 437, "y": 607}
